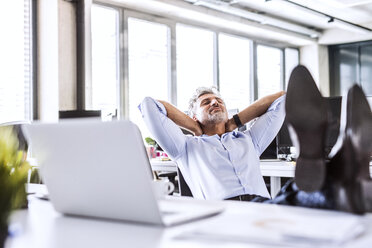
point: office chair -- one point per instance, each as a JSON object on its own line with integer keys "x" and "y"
{"x": 184, "y": 188}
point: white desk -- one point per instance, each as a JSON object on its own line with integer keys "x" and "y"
{"x": 166, "y": 166}
{"x": 273, "y": 169}
{"x": 270, "y": 168}
{"x": 42, "y": 227}
{"x": 276, "y": 170}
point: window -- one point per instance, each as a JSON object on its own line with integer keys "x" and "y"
{"x": 366, "y": 69}
{"x": 195, "y": 62}
{"x": 15, "y": 61}
{"x": 234, "y": 70}
{"x": 168, "y": 60}
{"x": 291, "y": 61}
{"x": 348, "y": 67}
{"x": 269, "y": 70}
{"x": 105, "y": 60}
{"x": 350, "y": 64}
{"x": 148, "y": 48}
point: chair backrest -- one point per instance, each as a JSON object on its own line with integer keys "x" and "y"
{"x": 184, "y": 188}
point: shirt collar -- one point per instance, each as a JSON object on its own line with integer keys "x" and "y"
{"x": 233, "y": 133}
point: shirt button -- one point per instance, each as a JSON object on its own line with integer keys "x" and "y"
{"x": 233, "y": 161}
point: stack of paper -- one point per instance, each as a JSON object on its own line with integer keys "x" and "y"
{"x": 278, "y": 225}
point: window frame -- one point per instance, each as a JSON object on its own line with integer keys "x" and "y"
{"x": 118, "y": 64}
{"x": 125, "y": 13}
{"x": 172, "y": 90}
{"x": 333, "y": 50}
{"x": 282, "y": 66}
{"x": 251, "y": 64}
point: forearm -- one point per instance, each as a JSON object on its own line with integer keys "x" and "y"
{"x": 255, "y": 110}
{"x": 181, "y": 119}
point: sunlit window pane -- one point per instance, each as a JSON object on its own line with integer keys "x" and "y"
{"x": 194, "y": 61}
{"x": 148, "y": 65}
{"x": 234, "y": 71}
{"x": 291, "y": 61}
{"x": 268, "y": 70}
{"x": 15, "y": 61}
{"x": 366, "y": 69}
{"x": 105, "y": 60}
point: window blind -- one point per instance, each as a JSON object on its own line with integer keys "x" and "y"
{"x": 15, "y": 61}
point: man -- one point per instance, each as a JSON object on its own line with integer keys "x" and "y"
{"x": 217, "y": 163}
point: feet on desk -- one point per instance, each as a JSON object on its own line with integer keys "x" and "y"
{"x": 306, "y": 112}
{"x": 349, "y": 159}
{"x": 343, "y": 181}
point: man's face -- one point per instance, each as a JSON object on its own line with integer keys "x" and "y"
{"x": 210, "y": 109}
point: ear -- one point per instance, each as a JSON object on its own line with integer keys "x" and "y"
{"x": 194, "y": 118}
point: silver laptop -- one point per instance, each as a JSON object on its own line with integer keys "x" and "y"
{"x": 100, "y": 169}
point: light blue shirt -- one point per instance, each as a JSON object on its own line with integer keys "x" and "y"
{"x": 217, "y": 167}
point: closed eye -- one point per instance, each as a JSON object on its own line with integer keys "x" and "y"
{"x": 208, "y": 100}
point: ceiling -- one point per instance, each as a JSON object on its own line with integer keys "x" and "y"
{"x": 296, "y": 22}
{"x": 320, "y": 16}
{"x": 354, "y": 11}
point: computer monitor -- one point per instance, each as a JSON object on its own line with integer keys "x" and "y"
{"x": 71, "y": 114}
{"x": 334, "y": 113}
{"x": 284, "y": 140}
{"x": 271, "y": 151}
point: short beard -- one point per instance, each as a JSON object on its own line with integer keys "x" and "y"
{"x": 216, "y": 117}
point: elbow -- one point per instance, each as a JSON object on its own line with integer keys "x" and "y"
{"x": 282, "y": 93}
{"x": 149, "y": 106}
{"x": 147, "y": 100}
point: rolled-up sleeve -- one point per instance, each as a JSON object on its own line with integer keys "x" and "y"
{"x": 268, "y": 125}
{"x": 163, "y": 129}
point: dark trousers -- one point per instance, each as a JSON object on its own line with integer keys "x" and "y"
{"x": 292, "y": 196}
{"x": 251, "y": 198}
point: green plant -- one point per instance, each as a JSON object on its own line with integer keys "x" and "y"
{"x": 13, "y": 176}
{"x": 151, "y": 142}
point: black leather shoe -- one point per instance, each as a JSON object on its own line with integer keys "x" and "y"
{"x": 349, "y": 164}
{"x": 306, "y": 112}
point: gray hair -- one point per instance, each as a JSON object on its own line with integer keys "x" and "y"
{"x": 198, "y": 93}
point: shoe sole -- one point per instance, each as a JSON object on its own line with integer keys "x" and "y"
{"x": 359, "y": 131}
{"x": 359, "y": 121}
{"x": 307, "y": 113}
{"x": 366, "y": 188}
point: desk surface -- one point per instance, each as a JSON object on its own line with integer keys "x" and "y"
{"x": 269, "y": 168}
{"x": 42, "y": 227}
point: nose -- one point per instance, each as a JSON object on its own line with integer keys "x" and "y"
{"x": 214, "y": 102}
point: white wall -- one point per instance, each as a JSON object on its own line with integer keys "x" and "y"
{"x": 315, "y": 58}
{"x": 338, "y": 36}
{"x": 67, "y": 55}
